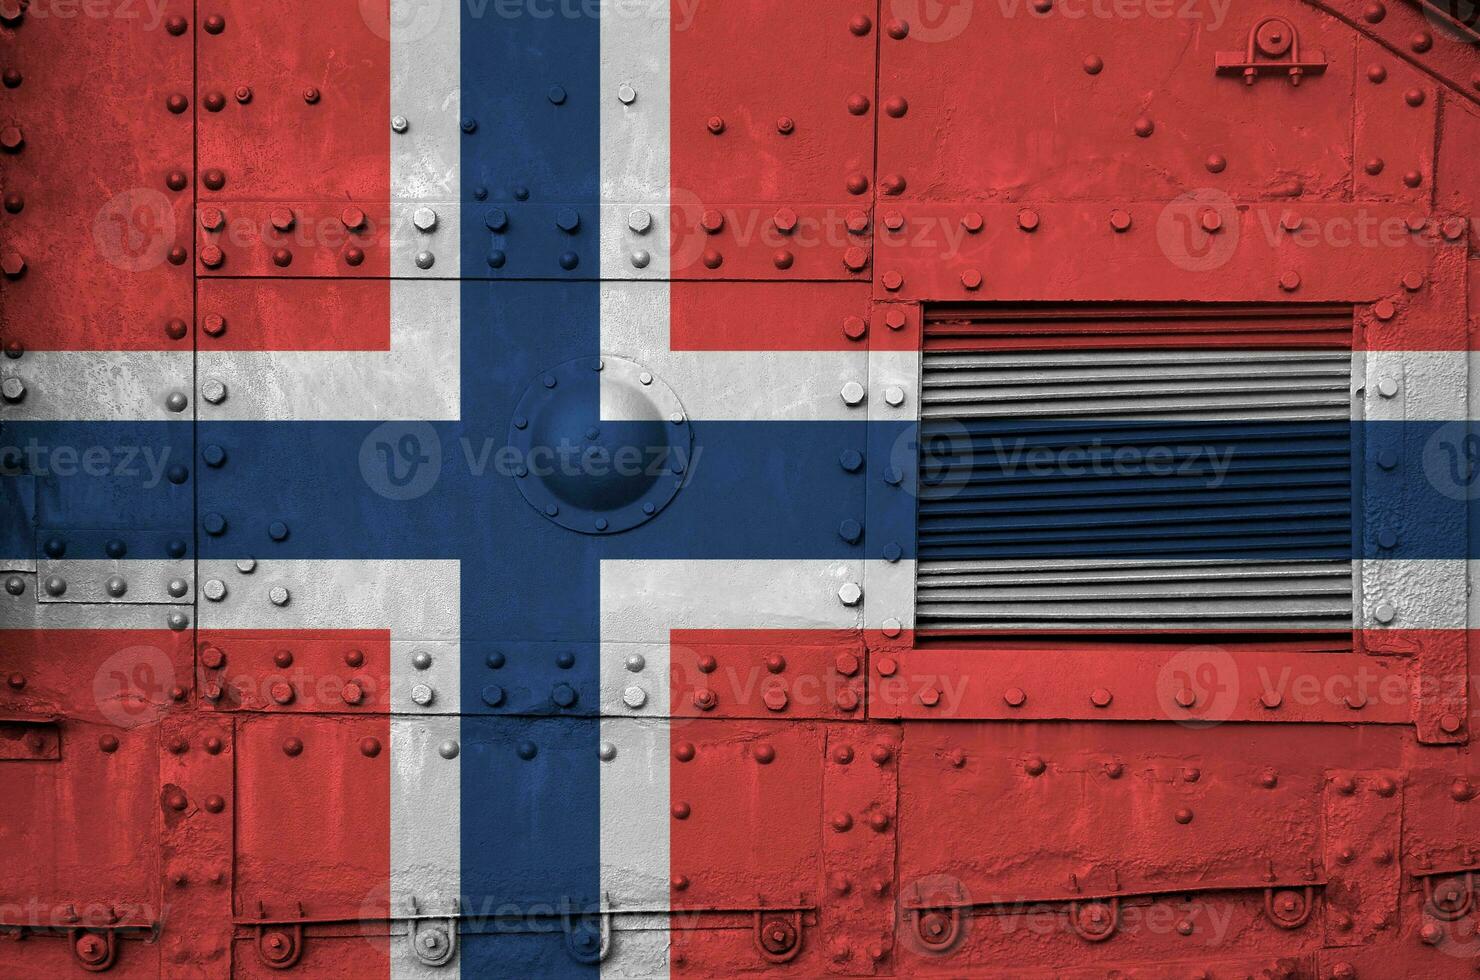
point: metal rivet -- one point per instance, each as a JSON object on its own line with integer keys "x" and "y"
{"x": 1385, "y": 612}
{"x": 425, "y": 260}
{"x": 421, "y": 660}
{"x": 55, "y": 585}
{"x": 641, "y": 258}
{"x": 1387, "y": 387}
{"x": 215, "y": 590}
{"x": 449, "y": 749}
{"x": 635, "y": 663}
{"x": 606, "y": 752}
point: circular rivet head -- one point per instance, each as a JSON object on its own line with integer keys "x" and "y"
{"x": 641, "y": 258}
{"x": 635, "y": 663}
{"x": 449, "y": 749}
{"x": 606, "y": 752}
{"x": 421, "y": 660}
{"x": 399, "y": 124}
{"x": 634, "y": 697}
{"x": 424, "y": 218}
{"x": 215, "y": 590}
{"x": 556, "y": 95}
{"x": 850, "y": 593}
{"x": 176, "y": 402}
{"x": 55, "y": 585}
{"x": 1385, "y": 612}
{"x": 852, "y": 393}
{"x": 425, "y": 260}
{"x": 15, "y": 585}
{"x": 422, "y": 694}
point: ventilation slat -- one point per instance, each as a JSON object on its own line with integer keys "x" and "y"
{"x": 1119, "y": 469}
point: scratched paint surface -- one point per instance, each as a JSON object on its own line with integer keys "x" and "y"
{"x": 670, "y": 488}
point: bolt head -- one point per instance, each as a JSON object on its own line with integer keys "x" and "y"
{"x": 850, "y": 593}
{"x": 424, "y": 218}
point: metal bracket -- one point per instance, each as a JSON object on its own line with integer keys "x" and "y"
{"x": 577, "y": 941}
{"x": 1095, "y": 921}
{"x": 435, "y": 945}
{"x": 1273, "y": 48}
{"x": 279, "y": 945}
{"x": 937, "y": 929}
{"x": 778, "y": 932}
{"x": 94, "y": 948}
{"x": 1289, "y": 908}
{"x": 1443, "y": 896}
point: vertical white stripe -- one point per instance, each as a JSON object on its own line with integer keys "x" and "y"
{"x": 634, "y": 676}
{"x": 426, "y": 790}
{"x": 426, "y": 76}
{"x": 635, "y": 145}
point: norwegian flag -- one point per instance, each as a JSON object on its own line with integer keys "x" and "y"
{"x": 475, "y": 453}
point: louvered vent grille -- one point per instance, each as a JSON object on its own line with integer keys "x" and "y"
{"x": 1079, "y": 472}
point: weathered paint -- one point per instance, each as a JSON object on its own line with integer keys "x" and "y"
{"x": 299, "y": 673}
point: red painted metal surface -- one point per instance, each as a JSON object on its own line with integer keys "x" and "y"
{"x": 854, "y": 802}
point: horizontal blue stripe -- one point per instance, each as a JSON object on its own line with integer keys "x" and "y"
{"x": 756, "y": 490}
